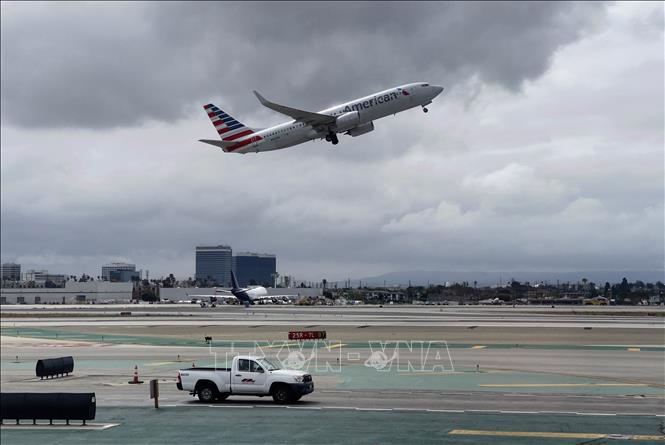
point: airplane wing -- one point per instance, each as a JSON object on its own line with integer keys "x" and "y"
{"x": 307, "y": 117}
{"x": 223, "y": 297}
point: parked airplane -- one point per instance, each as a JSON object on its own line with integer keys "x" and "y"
{"x": 247, "y": 296}
{"x": 353, "y": 118}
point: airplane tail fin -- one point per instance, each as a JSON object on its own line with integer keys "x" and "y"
{"x": 234, "y": 281}
{"x": 228, "y": 128}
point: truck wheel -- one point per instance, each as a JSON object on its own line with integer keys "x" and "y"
{"x": 222, "y": 396}
{"x": 282, "y": 394}
{"x": 207, "y": 393}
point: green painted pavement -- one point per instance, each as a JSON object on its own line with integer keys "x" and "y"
{"x": 359, "y": 377}
{"x": 176, "y": 341}
{"x": 362, "y": 377}
{"x": 219, "y": 424}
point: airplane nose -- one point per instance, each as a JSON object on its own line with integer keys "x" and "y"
{"x": 437, "y": 90}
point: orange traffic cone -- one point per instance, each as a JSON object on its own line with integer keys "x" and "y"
{"x": 135, "y": 380}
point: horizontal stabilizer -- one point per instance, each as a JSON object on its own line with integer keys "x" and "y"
{"x": 220, "y": 144}
{"x": 307, "y": 117}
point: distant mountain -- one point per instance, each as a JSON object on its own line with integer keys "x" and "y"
{"x": 422, "y": 278}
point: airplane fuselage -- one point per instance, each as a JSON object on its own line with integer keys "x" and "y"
{"x": 355, "y": 118}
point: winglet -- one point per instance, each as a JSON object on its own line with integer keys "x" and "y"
{"x": 300, "y": 115}
{"x": 261, "y": 98}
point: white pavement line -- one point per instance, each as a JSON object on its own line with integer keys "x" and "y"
{"x": 596, "y": 414}
{"x": 339, "y": 407}
{"x": 444, "y": 410}
{"x": 408, "y": 409}
{"x": 373, "y": 409}
{"x": 487, "y": 411}
{"x": 232, "y": 406}
{"x": 519, "y": 412}
{"x": 305, "y": 407}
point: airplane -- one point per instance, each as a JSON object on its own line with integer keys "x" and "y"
{"x": 353, "y": 118}
{"x": 246, "y": 296}
{"x": 491, "y": 301}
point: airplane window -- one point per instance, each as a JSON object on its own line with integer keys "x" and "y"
{"x": 425, "y": 85}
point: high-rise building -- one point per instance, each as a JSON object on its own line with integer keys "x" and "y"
{"x": 119, "y": 272}
{"x": 254, "y": 268}
{"x": 11, "y": 271}
{"x": 213, "y": 264}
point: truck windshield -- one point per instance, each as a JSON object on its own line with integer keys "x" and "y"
{"x": 267, "y": 364}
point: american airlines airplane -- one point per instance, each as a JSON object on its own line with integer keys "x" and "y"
{"x": 353, "y": 118}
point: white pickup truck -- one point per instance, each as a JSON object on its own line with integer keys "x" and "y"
{"x": 248, "y": 376}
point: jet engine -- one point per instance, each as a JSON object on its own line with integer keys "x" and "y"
{"x": 361, "y": 129}
{"x": 347, "y": 121}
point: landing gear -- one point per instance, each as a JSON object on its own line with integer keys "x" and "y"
{"x": 425, "y": 110}
{"x": 332, "y": 137}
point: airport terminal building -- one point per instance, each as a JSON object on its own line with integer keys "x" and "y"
{"x": 73, "y": 293}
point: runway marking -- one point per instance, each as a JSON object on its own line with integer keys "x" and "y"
{"x": 633, "y": 349}
{"x": 45, "y": 426}
{"x": 555, "y": 435}
{"x": 459, "y": 411}
{"x": 478, "y": 347}
{"x": 231, "y": 406}
{"x": 555, "y": 385}
{"x": 339, "y": 345}
{"x": 281, "y": 346}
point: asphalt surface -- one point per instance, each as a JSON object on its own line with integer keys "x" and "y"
{"x": 250, "y": 425}
{"x": 564, "y": 380}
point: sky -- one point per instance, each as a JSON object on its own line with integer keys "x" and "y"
{"x": 545, "y": 152}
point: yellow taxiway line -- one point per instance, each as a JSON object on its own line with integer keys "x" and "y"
{"x": 282, "y": 345}
{"x": 478, "y": 347}
{"x": 633, "y": 349}
{"x": 555, "y": 385}
{"x": 551, "y": 434}
{"x": 338, "y": 345}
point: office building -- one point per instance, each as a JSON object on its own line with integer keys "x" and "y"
{"x": 254, "y": 268}
{"x": 120, "y": 272}
{"x": 11, "y": 271}
{"x": 213, "y": 265}
{"x": 41, "y": 277}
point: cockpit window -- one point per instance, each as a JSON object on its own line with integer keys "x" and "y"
{"x": 424, "y": 85}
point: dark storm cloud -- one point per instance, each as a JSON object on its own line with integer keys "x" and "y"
{"x": 107, "y": 65}
{"x": 542, "y": 169}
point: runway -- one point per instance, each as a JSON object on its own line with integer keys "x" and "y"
{"x": 458, "y": 374}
